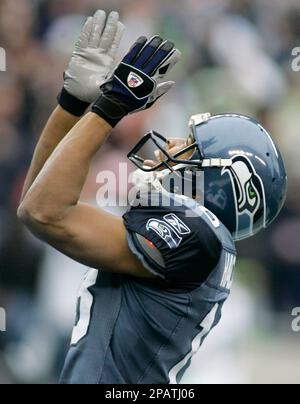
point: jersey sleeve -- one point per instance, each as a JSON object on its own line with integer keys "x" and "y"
{"x": 172, "y": 243}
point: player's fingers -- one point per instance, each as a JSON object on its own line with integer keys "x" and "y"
{"x": 117, "y": 40}
{"x": 168, "y": 65}
{"x": 148, "y": 51}
{"x": 99, "y": 20}
{"x": 84, "y": 36}
{"x": 159, "y": 57}
{"x": 135, "y": 50}
{"x": 110, "y": 31}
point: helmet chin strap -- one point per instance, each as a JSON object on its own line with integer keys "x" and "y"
{"x": 142, "y": 179}
{"x": 155, "y": 179}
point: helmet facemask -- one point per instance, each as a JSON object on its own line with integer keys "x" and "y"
{"x": 161, "y": 144}
{"x": 173, "y": 174}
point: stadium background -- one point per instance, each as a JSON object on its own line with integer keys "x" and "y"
{"x": 237, "y": 57}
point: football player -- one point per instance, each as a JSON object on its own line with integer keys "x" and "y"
{"x": 164, "y": 271}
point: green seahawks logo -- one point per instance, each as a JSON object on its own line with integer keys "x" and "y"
{"x": 249, "y": 194}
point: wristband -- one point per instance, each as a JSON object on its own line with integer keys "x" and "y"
{"x": 72, "y": 104}
{"x": 112, "y": 111}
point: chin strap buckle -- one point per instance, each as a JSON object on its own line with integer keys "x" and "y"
{"x": 217, "y": 163}
{"x": 199, "y": 119}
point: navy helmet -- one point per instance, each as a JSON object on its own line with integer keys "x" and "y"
{"x": 243, "y": 177}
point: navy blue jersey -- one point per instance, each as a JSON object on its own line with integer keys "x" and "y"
{"x": 146, "y": 331}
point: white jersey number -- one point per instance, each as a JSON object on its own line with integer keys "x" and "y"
{"x": 85, "y": 301}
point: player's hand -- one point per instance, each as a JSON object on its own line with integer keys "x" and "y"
{"x": 93, "y": 61}
{"x": 138, "y": 81}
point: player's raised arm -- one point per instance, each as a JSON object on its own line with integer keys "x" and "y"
{"x": 93, "y": 60}
{"x": 51, "y": 208}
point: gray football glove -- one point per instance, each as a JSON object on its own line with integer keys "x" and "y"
{"x": 93, "y": 60}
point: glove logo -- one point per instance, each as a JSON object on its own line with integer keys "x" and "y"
{"x": 134, "y": 80}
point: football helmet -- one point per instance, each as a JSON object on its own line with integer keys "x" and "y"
{"x": 234, "y": 169}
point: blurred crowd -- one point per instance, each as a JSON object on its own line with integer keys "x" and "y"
{"x": 237, "y": 57}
